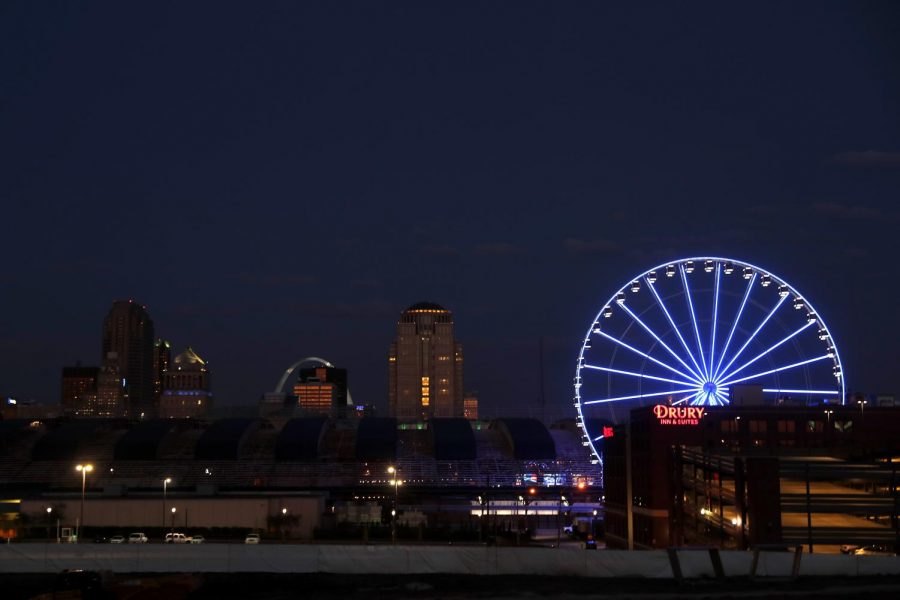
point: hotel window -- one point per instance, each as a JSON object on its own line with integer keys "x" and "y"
{"x": 426, "y": 393}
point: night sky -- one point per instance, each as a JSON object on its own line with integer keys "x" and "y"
{"x": 276, "y": 180}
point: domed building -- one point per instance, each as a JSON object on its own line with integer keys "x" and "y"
{"x": 425, "y": 365}
{"x": 186, "y": 388}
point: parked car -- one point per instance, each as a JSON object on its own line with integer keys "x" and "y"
{"x": 849, "y": 548}
{"x": 117, "y": 539}
{"x": 252, "y": 538}
{"x": 197, "y": 539}
{"x": 875, "y": 550}
{"x": 101, "y": 539}
{"x": 176, "y": 538}
{"x": 590, "y": 543}
{"x": 137, "y": 538}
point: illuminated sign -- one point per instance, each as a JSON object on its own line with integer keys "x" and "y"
{"x": 608, "y": 432}
{"x": 678, "y": 415}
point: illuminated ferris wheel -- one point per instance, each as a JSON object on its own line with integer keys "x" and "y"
{"x": 690, "y": 332}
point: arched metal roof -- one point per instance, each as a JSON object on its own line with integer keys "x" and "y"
{"x": 222, "y": 441}
{"x": 529, "y": 438}
{"x": 63, "y": 442}
{"x": 453, "y": 439}
{"x": 143, "y": 441}
{"x": 376, "y": 439}
{"x": 300, "y": 439}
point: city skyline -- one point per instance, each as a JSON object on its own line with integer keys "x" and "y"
{"x": 285, "y": 185}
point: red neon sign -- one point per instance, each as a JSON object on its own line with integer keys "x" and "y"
{"x": 608, "y": 432}
{"x": 678, "y": 415}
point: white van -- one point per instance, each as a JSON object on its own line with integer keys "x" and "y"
{"x": 137, "y": 538}
{"x": 177, "y": 538}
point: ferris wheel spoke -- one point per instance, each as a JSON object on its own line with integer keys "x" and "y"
{"x": 769, "y": 372}
{"x": 761, "y": 354}
{"x": 636, "y": 396}
{"x": 721, "y": 398}
{"x": 698, "y": 397}
{"x": 780, "y": 391}
{"x": 753, "y": 335}
{"x": 647, "y": 356}
{"x": 687, "y": 295}
{"x": 688, "y": 397}
{"x": 734, "y": 326}
{"x": 712, "y": 338}
{"x": 661, "y": 343}
{"x": 640, "y": 375}
{"x": 662, "y": 305}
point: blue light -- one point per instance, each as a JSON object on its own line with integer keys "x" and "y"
{"x": 687, "y": 294}
{"x": 662, "y": 305}
{"x": 658, "y": 339}
{"x": 737, "y": 319}
{"x": 704, "y": 372}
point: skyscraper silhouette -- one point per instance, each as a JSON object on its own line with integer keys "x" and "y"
{"x": 128, "y": 347}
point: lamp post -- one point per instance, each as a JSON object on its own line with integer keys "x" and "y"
{"x": 284, "y": 512}
{"x": 395, "y": 472}
{"x": 173, "y": 518}
{"x": 84, "y": 470}
{"x": 49, "y": 512}
{"x": 166, "y": 483}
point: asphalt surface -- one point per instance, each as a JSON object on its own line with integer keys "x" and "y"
{"x": 368, "y": 587}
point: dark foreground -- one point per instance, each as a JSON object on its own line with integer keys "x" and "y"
{"x": 374, "y": 587}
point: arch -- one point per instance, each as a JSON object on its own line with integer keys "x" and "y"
{"x": 309, "y": 359}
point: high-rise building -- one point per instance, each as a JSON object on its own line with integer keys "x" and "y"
{"x": 425, "y": 365}
{"x": 128, "y": 333}
{"x": 186, "y": 388}
{"x": 79, "y": 390}
{"x": 322, "y": 390}
{"x": 112, "y": 395}
{"x": 162, "y": 356}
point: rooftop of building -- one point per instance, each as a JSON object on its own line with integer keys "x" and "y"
{"x": 426, "y": 307}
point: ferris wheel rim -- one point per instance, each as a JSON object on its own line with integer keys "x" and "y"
{"x": 701, "y": 260}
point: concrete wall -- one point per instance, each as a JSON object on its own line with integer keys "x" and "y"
{"x": 132, "y": 514}
{"x": 387, "y": 559}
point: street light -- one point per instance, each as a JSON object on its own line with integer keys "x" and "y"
{"x": 166, "y": 483}
{"x": 84, "y": 470}
{"x": 173, "y": 519}
{"x": 395, "y": 471}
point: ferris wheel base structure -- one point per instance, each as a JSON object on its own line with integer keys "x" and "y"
{"x": 704, "y": 331}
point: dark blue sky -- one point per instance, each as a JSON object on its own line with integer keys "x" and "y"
{"x": 277, "y": 180}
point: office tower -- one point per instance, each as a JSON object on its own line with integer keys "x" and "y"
{"x": 128, "y": 333}
{"x": 162, "y": 356}
{"x": 112, "y": 395}
{"x": 322, "y": 390}
{"x": 79, "y": 390}
{"x": 425, "y": 365}
{"x": 186, "y": 388}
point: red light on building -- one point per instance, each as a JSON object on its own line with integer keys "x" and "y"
{"x": 608, "y": 432}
